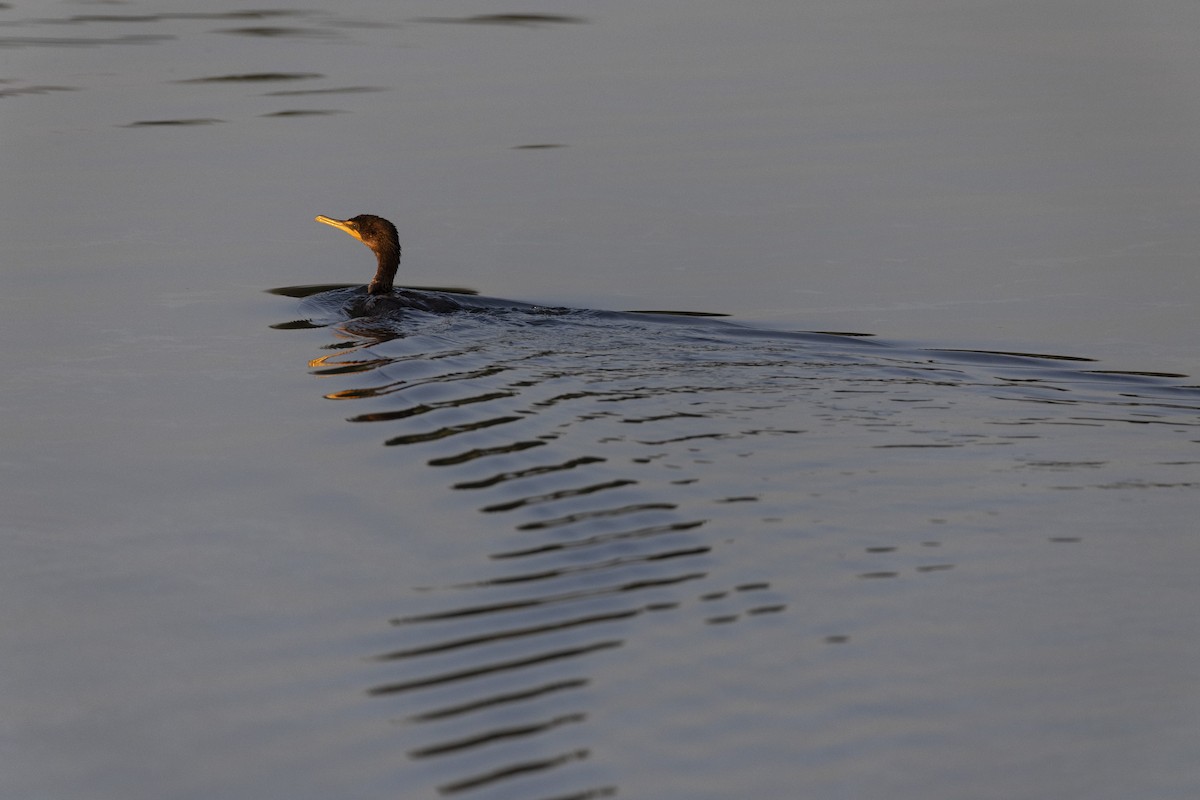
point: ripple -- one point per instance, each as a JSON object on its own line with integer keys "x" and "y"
{"x": 528, "y": 472}
{"x": 517, "y": 20}
{"x": 625, "y": 468}
{"x": 17, "y": 91}
{"x": 332, "y": 90}
{"x": 450, "y": 430}
{"x": 525, "y": 768}
{"x": 512, "y": 633}
{"x": 490, "y": 702}
{"x": 542, "y": 600}
{"x": 84, "y": 19}
{"x": 304, "y": 112}
{"x": 254, "y": 77}
{"x": 562, "y": 494}
{"x": 168, "y": 123}
{"x": 602, "y": 539}
{"x": 81, "y": 41}
{"x": 488, "y": 669}
{"x": 493, "y": 736}
{"x": 280, "y": 32}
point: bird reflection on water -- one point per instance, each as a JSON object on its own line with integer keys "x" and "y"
{"x": 630, "y": 468}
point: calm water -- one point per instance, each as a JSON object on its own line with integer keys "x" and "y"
{"x": 253, "y": 548}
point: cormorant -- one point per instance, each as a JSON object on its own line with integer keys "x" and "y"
{"x": 380, "y": 235}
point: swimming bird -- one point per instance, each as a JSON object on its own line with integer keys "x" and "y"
{"x": 380, "y": 235}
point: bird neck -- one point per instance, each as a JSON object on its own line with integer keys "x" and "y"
{"x": 385, "y": 273}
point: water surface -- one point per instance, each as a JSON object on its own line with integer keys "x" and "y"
{"x": 253, "y": 548}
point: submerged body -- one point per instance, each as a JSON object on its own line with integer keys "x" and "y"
{"x": 380, "y": 235}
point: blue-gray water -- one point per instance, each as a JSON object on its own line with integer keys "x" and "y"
{"x": 253, "y": 548}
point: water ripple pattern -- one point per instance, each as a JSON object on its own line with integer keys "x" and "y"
{"x": 628, "y": 467}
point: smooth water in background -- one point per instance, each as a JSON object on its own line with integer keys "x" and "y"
{"x": 255, "y": 549}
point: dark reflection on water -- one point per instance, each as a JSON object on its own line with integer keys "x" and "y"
{"x": 155, "y": 123}
{"x": 305, "y": 112}
{"x": 61, "y": 41}
{"x": 280, "y": 31}
{"x": 254, "y": 77}
{"x": 334, "y": 90}
{"x": 79, "y": 19}
{"x": 16, "y": 91}
{"x": 617, "y": 459}
{"x": 274, "y": 24}
{"x": 519, "y": 20}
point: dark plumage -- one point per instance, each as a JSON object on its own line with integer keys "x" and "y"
{"x": 380, "y": 235}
